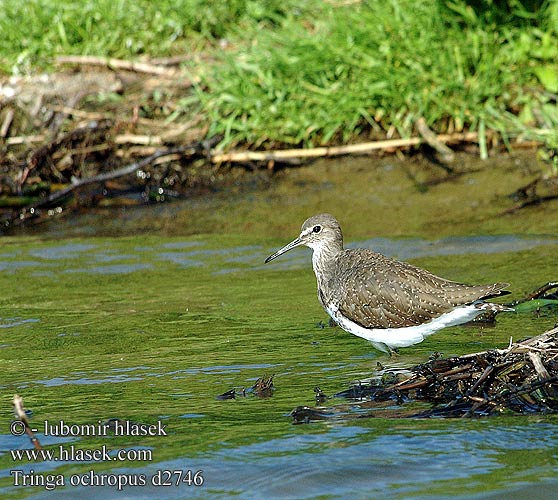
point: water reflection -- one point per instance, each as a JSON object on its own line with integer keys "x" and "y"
{"x": 246, "y": 257}
{"x": 361, "y": 462}
{"x": 157, "y": 329}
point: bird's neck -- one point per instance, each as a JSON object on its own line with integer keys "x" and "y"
{"x": 324, "y": 257}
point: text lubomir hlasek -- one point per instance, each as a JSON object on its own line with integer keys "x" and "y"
{"x": 113, "y": 427}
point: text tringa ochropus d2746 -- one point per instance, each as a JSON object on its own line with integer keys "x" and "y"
{"x": 387, "y": 302}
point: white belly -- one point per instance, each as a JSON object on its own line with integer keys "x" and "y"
{"x": 408, "y": 335}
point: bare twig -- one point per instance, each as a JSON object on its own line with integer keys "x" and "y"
{"x": 136, "y": 151}
{"x": 117, "y": 64}
{"x": 171, "y": 61}
{"x": 539, "y": 292}
{"x": 431, "y": 138}
{"x": 487, "y": 371}
{"x": 363, "y": 148}
{"x": 542, "y": 372}
{"x": 120, "y": 172}
{"x": 144, "y": 140}
{"x": 412, "y": 383}
{"x": 7, "y": 122}
{"x": 24, "y": 139}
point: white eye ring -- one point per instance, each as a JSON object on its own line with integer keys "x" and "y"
{"x": 316, "y": 229}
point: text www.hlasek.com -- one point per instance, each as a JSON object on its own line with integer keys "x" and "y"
{"x": 72, "y": 454}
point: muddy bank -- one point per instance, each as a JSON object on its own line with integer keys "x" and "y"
{"x": 93, "y": 141}
{"x": 374, "y": 197}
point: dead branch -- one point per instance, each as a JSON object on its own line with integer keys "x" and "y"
{"x": 71, "y": 111}
{"x": 363, "y": 148}
{"x": 529, "y": 203}
{"x": 37, "y": 157}
{"x": 522, "y": 378}
{"x": 136, "y": 151}
{"x": 7, "y": 122}
{"x": 117, "y": 64}
{"x": 433, "y": 141}
{"x": 182, "y": 151}
{"x": 143, "y": 140}
{"x": 541, "y": 370}
{"x": 24, "y": 139}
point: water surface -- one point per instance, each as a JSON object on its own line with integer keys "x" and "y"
{"x": 150, "y": 328}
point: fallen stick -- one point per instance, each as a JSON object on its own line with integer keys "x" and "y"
{"x": 68, "y": 110}
{"x": 365, "y": 147}
{"x": 7, "y": 122}
{"x": 23, "y": 139}
{"x": 142, "y": 140}
{"x": 135, "y": 151}
{"x": 433, "y": 141}
{"x": 114, "y": 174}
{"x": 118, "y": 64}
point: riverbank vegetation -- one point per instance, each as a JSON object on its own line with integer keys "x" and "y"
{"x": 260, "y": 75}
{"x": 313, "y": 72}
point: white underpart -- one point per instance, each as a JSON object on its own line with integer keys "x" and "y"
{"x": 408, "y": 335}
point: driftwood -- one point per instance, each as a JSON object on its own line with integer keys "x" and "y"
{"x": 520, "y": 379}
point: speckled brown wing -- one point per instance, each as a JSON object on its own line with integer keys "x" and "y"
{"x": 380, "y": 292}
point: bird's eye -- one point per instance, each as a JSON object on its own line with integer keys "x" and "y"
{"x": 317, "y": 229}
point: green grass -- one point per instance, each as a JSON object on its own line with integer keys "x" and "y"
{"x": 379, "y": 66}
{"x": 311, "y": 72}
{"x": 35, "y": 31}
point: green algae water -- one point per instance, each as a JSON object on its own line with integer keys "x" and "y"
{"x": 146, "y": 331}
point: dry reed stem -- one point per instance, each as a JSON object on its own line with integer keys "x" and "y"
{"x": 362, "y": 148}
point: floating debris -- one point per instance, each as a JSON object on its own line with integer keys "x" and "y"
{"x": 230, "y": 394}
{"x": 521, "y": 379}
{"x": 320, "y": 395}
{"x": 263, "y": 388}
{"x": 306, "y": 414}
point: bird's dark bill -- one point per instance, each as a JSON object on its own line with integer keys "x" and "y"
{"x": 286, "y": 248}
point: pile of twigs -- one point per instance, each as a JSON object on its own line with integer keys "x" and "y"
{"x": 119, "y": 130}
{"x": 521, "y": 379}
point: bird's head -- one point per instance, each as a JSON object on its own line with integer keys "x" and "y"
{"x": 318, "y": 232}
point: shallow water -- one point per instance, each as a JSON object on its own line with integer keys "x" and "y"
{"x": 150, "y": 328}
